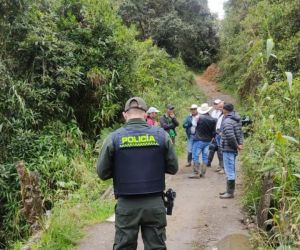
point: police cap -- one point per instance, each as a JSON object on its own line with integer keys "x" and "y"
{"x": 137, "y": 103}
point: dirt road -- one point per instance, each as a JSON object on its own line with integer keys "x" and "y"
{"x": 200, "y": 219}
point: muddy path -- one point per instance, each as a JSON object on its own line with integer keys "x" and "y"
{"x": 212, "y": 91}
{"x": 200, "y": 219}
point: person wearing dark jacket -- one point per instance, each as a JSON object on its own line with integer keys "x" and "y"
{"x": 169, "y": 122}
{"x": 205, "y": 131}
{"x": 137, "y": 156}
{"x": 231, "y": 142}
{"x": 190, "y": 130}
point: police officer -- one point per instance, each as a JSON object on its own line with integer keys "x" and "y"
{"x": 137, "y": 156}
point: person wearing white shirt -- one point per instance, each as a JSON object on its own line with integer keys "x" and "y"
{"x": 215, "y": 144}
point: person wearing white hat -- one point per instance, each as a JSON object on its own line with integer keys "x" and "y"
{"x": 214, "y": 146}
{"x": 217, "y": 111}
{"x": 151, "y": 116}
{"x": 204, "y": 133}
{"x": 189, "y": 124}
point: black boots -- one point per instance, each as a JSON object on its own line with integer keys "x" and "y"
{"x": 189, "y": 160}
{"x": 211, "y": 154}
{"x": 230, "y": 190}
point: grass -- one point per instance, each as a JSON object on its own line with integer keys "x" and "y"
{"x": 66, "y": 225}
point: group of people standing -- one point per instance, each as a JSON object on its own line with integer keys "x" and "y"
{"x": 214, "y": 129}
{"x": 168, "y": 121}
{"x": 209, "y": 130}
{"x": 138, "y": 155}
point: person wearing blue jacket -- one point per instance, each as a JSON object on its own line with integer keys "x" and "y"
{"x": 190, "y": 128}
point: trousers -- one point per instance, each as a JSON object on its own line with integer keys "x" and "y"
{"x": 189, "y": 145}
{"x": 200, "y": 147}
{"x": 147, "y": 214}
{"x": 229, "y": 159}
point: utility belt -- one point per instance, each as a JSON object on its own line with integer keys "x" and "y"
{"x": 135, "y": 196}
{"x": 168, "y": 198}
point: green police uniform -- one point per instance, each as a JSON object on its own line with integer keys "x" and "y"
{"x": 145, "y": 211}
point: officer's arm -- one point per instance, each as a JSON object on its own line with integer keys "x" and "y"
{"x": 104, "y": 163}
{"x": 171, "y": 157}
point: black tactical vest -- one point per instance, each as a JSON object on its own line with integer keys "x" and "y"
{"x": 139, "y": 163}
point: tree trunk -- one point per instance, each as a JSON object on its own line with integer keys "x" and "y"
{"x": 265, "y": 200}
{"x": 31, "y": 196}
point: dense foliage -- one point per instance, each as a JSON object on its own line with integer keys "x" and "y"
{"x": 185, "y": 28}
{"x": 260, "y": 55}
{"x": 248, "y": 24}
{"x": 66, "y": 68}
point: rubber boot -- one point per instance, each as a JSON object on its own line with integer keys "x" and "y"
{"x": 211, "y": 154}
{"x": 195, "y": 174}
{"x": 189, "y": 160}
{"x": 230, "y": 190}
{"x": 203, "y": 168}
{"x": 227, "y": 185}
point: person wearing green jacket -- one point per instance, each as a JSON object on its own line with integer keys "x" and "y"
{"x": 169, "y": 122}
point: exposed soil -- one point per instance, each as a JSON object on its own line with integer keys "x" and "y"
{"x": 200, "y": 219}
{"x": 207, "y": 83}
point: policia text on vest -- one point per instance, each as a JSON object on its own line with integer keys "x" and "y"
{"x": 145, "y": 140}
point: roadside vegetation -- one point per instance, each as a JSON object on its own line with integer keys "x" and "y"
{"x": 66, "y": 70}
{"x": 260, "y": 49}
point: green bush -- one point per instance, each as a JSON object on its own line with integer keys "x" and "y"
{"x": 66, "y": 69}
{"x": 259, "y": 57}
{"x": 246, "y": 27}
{"x": 276, "y": 138}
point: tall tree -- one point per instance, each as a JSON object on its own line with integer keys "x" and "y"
{"x": 182, "y": 27}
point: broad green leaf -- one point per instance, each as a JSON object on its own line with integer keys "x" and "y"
{"x": 270, "y": 46}
{"x": 291, "y": 139}
{"x": 297, "y": 175}
{"x": 289, "y": 77}
{"x": 274, "y": 56}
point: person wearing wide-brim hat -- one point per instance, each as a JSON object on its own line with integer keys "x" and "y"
{"x": 204, "y": 133}
{"x": 151, "y": 116}
{"x": 189, "y": 124}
